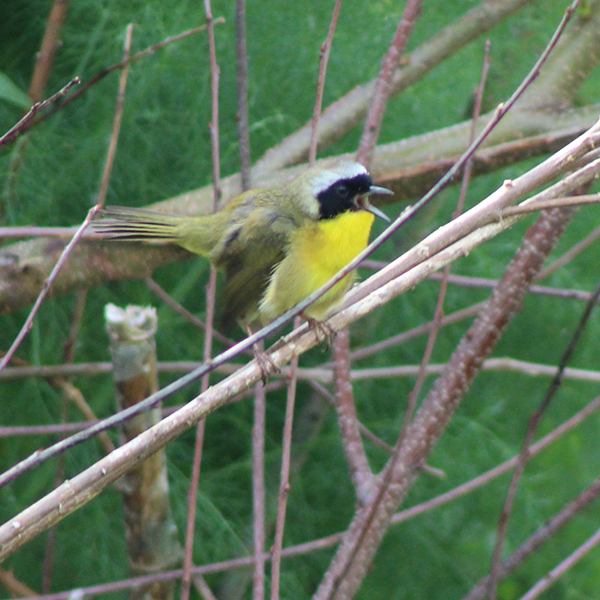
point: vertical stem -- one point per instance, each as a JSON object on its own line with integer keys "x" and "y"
{"x": 325, "y": 51}
{"x": 284, "y": 484}
{"x": 210, "y": 309}
{"x": 258, "y": 488}
{"x": 383, "y": 87}
{"x": 360, "y": 472}
{"x": 45, "y": 57}
{"x": 242, "y": 93}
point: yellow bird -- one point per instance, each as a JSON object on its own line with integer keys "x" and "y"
{"x": 276, "y": 245}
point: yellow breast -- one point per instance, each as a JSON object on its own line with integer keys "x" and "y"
{"x": 318, "y": 250}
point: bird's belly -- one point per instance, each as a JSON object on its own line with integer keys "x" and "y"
{"x": 316, "y": 253}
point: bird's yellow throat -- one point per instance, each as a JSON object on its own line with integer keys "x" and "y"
{"x": 318, "y": 251}
{"x": 330, "y": 244}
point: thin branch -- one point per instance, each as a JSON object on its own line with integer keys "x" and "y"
{"x": 45, "y": 57}
{"x": 334, "y": 539}
{"x": 551, "y": 577}
{"x": 575, "y": 251}
{"x": 499, "y": 470}
{"x": 25, "y": 123}
{"x": 91, "y": 214}
{"x": 532, "y": 428}
{"x": 28, "y": 122}
{"x": 284, "y": 479}
{"x": 482, "y": 282}
{"x": 538, "y": 538}
{"x": 324, "y": 59}
{"x": 350, "y": 110}
{"x": 215, "y": 73}
{"x": 531, "y": 207}
{"x": 258, "y": 488}
{"x": 383, "y": 87}
{"x": 325, "y": 393}
{"x": 210, "y": 308}
{"x": 242, "y": 94}
{"x": 15, "y": 587}
{"x": 185, "y": 313}
{"x": 478, "y": 96}
{"x": 441, "y": 246}
{"x": 406, "y": 336}
{"x": 203, "y": 588}
{"x": 46, "y": 288}
{"x": 358, "y": 465}
{"x": 439, "y": 309}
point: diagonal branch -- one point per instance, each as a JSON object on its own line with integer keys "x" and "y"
{"x": 370, "y": 523}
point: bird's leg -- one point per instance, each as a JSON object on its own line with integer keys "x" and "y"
{"x": 324, "y": 332}
{"x": 264, "y": 361}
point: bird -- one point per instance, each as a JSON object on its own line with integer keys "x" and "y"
{"x": 276, "y": 245}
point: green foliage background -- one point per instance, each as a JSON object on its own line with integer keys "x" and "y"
{"x": 52, "y": 177}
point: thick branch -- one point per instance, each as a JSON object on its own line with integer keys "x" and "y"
{"x": 406, "y": 166}
{"x": 370, "y": 523}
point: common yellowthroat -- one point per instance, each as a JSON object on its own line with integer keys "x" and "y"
{"x": 276, "y": 245}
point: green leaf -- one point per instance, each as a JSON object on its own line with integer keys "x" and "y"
{"x": 13, "y": 94}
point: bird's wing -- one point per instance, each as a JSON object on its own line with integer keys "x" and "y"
{"x": 250, "y": 249}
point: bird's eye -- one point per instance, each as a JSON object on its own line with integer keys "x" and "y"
{"x": 342, "y": 190}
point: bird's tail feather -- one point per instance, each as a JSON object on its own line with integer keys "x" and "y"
{"x": 138, "y": 225}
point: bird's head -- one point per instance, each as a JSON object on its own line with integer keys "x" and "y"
{"x": 343, "y": 186}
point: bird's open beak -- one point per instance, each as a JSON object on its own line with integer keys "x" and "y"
{"x": 366, "y": 205}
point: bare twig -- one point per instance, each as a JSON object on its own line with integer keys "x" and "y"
{"x": 442, "y": 246}
{"x": 567, "y": 257}
{"x": 325, "y": 51}
{"x": 334, "y": 539}
{"x": 91, "y": 214}
{"x": 25, "y": 123}
{"x": 551, "y": 577}
{"x": 45, "y": 57}
{"x": 325, "y": 393}
{"x": 258, "y": 488}
{"x": 284, "y": 483}
{"x": 350, "y": 110}
{"x": 28, "y": 121}
{"x": 192, "y": 500}
{"x": 383, "y": 87}
{"x": 532, "y": 428}
{"x": 15, "y": 587}
{"x": 542, "y": 290}
{"x": 242, "y": 94}
{"x": 186, "y": 314}
{"x": 215, "y": 73}
{"x": 478, "y": 95}
{"x": 203, "y": 588}
{"x": 210, "y": 308}
{"x": 542, "y": 535}
{"x": 499, "y": 470}
{"x": 358, "y": 465}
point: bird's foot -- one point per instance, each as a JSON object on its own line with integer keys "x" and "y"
{"x": 265, "y": 364}
{"x": 324, "y": 332}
